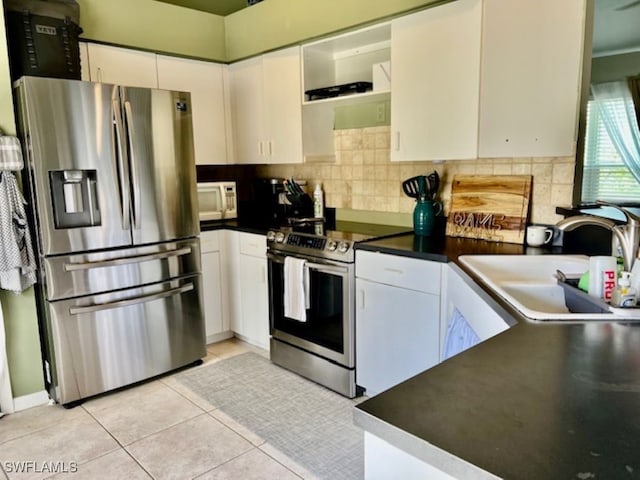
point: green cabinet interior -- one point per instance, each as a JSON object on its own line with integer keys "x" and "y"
{"x": 372, "y": 114}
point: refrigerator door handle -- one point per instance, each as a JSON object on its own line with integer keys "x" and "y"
{"x": 73, "y": 267}
{"x": 131, "y": 301}
{"x": 120, "y": 161}
{"x": 135, "y": 191}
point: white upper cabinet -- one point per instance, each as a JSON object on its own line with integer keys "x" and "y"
{"x": 205, "y": 82}
{"x": 435, "y": 62}
{"x": 361, "y": 57}
{"x": 531, "y": 77}
{"x": 281, "y": 108}
{"x": 349, "y": 58}
{"x": 246, "y": 110}
{"x": 122, "y": 66}
{"x": 266, "y": 105}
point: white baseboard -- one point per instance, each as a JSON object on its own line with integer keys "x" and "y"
{"x": 32, "y": 400}
{"x": 251, "y": 341}
{"x": 218, "y": 337}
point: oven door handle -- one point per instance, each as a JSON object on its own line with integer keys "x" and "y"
{"x": 320, "y": 267}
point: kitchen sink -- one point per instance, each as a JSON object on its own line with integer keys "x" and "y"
{"x": 529, "y": 284}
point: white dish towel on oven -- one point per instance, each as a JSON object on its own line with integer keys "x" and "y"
{"x": 296, "y": 288}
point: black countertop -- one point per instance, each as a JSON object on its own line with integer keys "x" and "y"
{"x": 234, "y": 224}
{"x": 441, "y": 248}
{"x": 541, "y": 401}
{"x": 253, "y": 226}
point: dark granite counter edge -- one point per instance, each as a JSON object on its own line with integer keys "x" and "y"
{"x": 233, "y": 225}
{"x": 432, "y": 256}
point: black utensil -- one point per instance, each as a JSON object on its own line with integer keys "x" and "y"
{"x": 296, "y": 187}
{"x": 411, "y": 186}
{"x": 434, "y": 183}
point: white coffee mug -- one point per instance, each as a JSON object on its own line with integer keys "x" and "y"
{"x": 537, "y": 235}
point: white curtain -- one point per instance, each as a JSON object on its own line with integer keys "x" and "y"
{"x": 6, "y": 396}
{"x": 615, "y": 106}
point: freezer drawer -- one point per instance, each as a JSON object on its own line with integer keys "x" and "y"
{"x": 98, "y": 272}
{"x": 102, "y": 342}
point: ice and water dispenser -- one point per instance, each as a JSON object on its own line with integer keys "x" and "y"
{"x": 74, "y": 197}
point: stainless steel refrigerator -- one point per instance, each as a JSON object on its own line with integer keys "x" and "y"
{"x": 111, "y": 183}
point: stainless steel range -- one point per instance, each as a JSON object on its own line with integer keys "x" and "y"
{"x": 322, "y": 346}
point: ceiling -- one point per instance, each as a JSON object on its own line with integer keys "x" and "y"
{"x": 217, "y": 7}
{"x": 616, "y": 27}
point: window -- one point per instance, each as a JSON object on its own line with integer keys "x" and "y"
{"x": 605, "y": 175}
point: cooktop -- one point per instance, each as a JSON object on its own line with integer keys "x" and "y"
{"x": 333, "y": 241}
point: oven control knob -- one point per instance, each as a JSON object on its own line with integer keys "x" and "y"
{"x": 332, "y": 245}
{"x": 279, "y": 237}
{"x": 271, "y": 236}
{"x": 343, "y": 247}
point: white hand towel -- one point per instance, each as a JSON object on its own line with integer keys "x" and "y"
{"x": 296, "y": 289}
{"x": 17, "y": 262}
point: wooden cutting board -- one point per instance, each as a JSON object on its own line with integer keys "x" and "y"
{"x": 489, "y": 207}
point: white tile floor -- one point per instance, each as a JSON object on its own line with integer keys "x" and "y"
{"x": 159, "y": 430}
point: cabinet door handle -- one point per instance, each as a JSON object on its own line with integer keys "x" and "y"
{"x": 397, "y": 141}
{"x": 270, "y": 143}
{"x": 361, "y": 299}
{"x": 260, "y": 149}
{"x": 394, "y": 270}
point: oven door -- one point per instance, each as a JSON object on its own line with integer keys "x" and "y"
{"x": 328, "y": 331}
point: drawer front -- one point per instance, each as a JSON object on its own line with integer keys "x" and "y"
{"x": 253, "y": 244}
{"x": 419, "y": 275}
{"x": 106, "y": 341}
{"x": 210, "y": 241}
{"x": 90, "y": 273}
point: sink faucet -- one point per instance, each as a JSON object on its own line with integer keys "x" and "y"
{"x": 626, "y": 236}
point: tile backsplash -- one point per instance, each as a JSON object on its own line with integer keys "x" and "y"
{"x": 364, "y": 178}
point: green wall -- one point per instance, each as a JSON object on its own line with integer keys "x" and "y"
{"x": 19, "y": 311}
{"x": 615, "y": 67}
{"x": 151, "y": 25}
{"x": 23, "y": 342}
{"x": 274, "y": 23}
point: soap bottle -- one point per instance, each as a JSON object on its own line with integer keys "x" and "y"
{"x": 318, "y": 202}
{"x": 624, "y": 295}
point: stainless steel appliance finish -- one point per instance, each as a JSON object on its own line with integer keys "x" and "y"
{"x": 316, "y": 242}
{"x": 322, "y": 348}
{"x": 341, "y": 297}
{"x": 111, "y": 181}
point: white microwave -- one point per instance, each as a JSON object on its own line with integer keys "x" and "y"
{"x": 217, "y": 200}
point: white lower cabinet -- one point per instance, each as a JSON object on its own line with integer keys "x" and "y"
{"x": 397, "y": 319}
{"x": 249, "y": 292}
{"x": 216, "y": 321}
{"x": 383, "y": 461}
